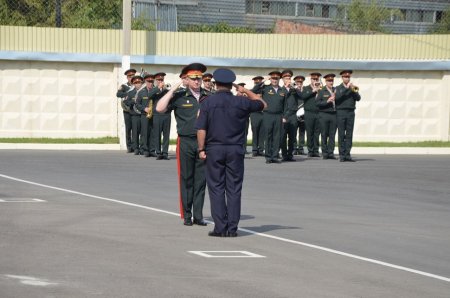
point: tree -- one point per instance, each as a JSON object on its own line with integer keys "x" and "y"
{"x": 365, "y": 16}
{"x": 75, "y": 13}
{"x": 220, "y": 27}
{"x": 443, "y": 26}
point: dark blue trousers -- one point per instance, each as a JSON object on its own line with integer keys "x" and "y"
{"x": 224, "y": 177}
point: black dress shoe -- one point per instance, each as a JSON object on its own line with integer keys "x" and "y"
{"x": 159, "y": 157}
{"x": 187, "y": 222}
{"x": 166, "y": 157}
{"x": 276, "y": 161}
{"x": 200, "y": 222}
{"x": 268, "y": 161}
{"x": 316, "y": 155}
{"x": 332, "y": 156}
{"x": 153, "y": 154}
{"x": 350, "y": 159}
{"x": 215, "y": 234}
{"x": 232, "y": 234}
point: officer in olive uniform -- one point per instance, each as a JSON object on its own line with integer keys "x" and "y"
{"x": 144, "y": 103}
{"x": 137, "y": 81}
{"x": 256, "y": 119}
{"x": 238, "y": 93}
{"x": 161, "y": 121}
{"x": 312, "y": 125}
{"x": 346, "y": 97}
{"x": 273, "y": 116}
{"x": 291, "y": 107}
{"x": 185, "y": 104}
{"x": 300, "y": 142}
{"x": 221, "y": 146}
{"x": 208, "y": 84}
{"x": 327, "y": 116}
{"x": 122, "y": 93}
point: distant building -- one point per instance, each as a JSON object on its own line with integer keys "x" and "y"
{"x": 417, "y": 17}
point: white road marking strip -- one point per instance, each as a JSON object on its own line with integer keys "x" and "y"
{"x": 31, "y": 281}
{"x": 337, "y": 252}
{"x": 225, "y": 254}
{"x": 21, "y": 200}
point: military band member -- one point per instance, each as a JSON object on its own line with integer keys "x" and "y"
{"x": 135, "y": 116}
{"x": 273, "y": 116}
{"x": 185, "y": 104}
{"x": 327, "y": 115}
{"x": 300, "y": 141}
{"x": 256, "y": 119}
{"x": 291, "y": 107}
{"x": 122, "y": 93}
{"x": 161, "y": 121}
{"x": 144, "y": 103}
{"x": 346, "y": 97}
{"x": 207, "y": 83}
{"x": 312, "y": 125}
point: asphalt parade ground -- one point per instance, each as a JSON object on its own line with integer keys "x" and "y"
{"x": 107, "y": 224}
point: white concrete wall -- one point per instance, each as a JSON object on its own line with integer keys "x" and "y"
{"x": 57, "y": 99}
{"x": 54, "y": 99}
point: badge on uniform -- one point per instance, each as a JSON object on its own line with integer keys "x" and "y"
{"x": 271, "y": 92}
{"x": 325, "y": 95}
{"x": 282, "y": 94}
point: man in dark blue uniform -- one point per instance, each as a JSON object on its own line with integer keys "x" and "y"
{"x": 221, "y": 136}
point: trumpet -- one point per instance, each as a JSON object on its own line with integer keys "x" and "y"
{"x": 355, "y": 89}
{"x": 167, "y": 86}
{"x": 150, "y": 109}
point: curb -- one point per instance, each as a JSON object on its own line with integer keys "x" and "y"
{"x": 172, "y": 148}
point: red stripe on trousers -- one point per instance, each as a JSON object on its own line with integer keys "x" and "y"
{"x": 179, "y": 177}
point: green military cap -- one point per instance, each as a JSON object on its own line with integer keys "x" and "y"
{"x": 130, "y": 71}
{"x": 346, "y": 72}
{"x": 136, "y": 78}
{"x": 287, "y": 73}
{"x": 275, "y": 73}
{"x": 299, "y": 78}
{"x": 258, "y": 78}
{"x": 194, "y": 70}
{"x": 329, "y": 76}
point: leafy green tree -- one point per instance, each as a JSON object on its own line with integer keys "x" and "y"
{"x": 365, "y": 16}
{"x": 443, "y": 26}
{"x": 220, "y": 27}
{"x": 74, "y": 13}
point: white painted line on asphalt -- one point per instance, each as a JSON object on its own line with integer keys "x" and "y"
{"x": 31, "y": 281}
{"x": 337, "y": 252}
{"x": 22, "y": 200}
{"x": 225, "y": 254}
